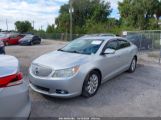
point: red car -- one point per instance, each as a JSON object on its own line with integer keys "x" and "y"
{"x": 10, "y": 38}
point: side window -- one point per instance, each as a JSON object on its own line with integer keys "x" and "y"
{"x": 35, "y": 37}
{"x": 112, "y": 45}
{"x": 13, "y": 36}
{"x": 123, "y": 44}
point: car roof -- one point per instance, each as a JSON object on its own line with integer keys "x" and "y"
{"x": 107, "y": 38}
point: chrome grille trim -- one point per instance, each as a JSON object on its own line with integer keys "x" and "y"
{"x": 40, "y": 70}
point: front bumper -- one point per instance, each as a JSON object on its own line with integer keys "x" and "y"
{"x": 62, "y": 88}
{"x": 15, "y": 101}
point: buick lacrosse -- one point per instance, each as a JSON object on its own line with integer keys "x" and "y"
{"x": 81, "y": 66}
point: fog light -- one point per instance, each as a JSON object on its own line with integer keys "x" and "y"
{"x": 61, "y": 92}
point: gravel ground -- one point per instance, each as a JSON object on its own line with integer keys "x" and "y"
{"x": 128, "y": 95}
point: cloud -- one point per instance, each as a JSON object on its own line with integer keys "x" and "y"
{"x": 42, "y": 12}
{"x": 114, "y": 6}
{"x": 114, "y": 3}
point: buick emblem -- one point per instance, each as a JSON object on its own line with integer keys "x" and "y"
{"x": 36, "y": 71}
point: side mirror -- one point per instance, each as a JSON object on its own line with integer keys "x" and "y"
{"x": 109, "y": 51}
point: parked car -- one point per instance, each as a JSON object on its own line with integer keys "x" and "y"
{"x": 80, "y": 67}
{"x": 10, "y": 38}
{"x": 2, "y": 48}
{"x": 30, "y": 40}
{"x": 14, "y": 95}
{"x": 140, "y": 41}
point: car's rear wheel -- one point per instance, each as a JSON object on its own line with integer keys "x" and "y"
{"x": 91, "y": 84}
{"x": 133, "y": 65}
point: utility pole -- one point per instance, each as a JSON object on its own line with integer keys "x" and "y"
{"x": 33, "y": 24}
{"x": 160, "y": 42}
{"x": 41, "y": 27}
{"x": 7, "y": 24}
{"x": 71, "y": 18}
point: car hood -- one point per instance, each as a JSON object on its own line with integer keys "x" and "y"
{"x": 3, "y": 38}
{"x": 62, "y": 60}
{"x": 9, "y": 65}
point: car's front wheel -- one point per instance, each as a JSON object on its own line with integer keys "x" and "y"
{"x": 91, "y": 84}
{"x": 133, "y": 65}
{"x": 6, "y": 43}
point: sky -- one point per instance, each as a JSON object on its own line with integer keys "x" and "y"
{"x": 42, "y": 12}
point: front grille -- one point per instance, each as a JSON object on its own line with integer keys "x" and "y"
{"x": 41, "y": 71}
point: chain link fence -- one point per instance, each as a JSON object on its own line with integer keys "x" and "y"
{"x": 148, "y": 42}
{"x": 58, "y": 36}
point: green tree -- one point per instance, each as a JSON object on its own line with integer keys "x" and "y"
{"x": 50, "y": 28}
{"x": 23, "y": 26}
{"x": 84, "y": 10}
{"x": 139, "y": 13}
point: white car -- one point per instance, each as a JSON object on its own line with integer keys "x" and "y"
{"x": 80, "y": 67}
{"x": 14, "y": 95}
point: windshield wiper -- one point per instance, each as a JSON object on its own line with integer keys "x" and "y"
{"x": 75, "y": 52}
{"x": 71, "y": 51}
{"x": 60, "y": 50}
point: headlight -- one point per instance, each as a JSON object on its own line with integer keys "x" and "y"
{"x": 66, "y": 72}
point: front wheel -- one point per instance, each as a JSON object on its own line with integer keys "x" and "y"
{"x": 6, "y": 43}
{"x": 91, "y": 84}
{"x": 133, "y": 65}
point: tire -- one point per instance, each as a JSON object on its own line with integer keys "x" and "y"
{"x": 91, "y": 84}
{"x": 133, "y": 65}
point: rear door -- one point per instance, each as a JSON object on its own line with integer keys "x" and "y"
{"x": 36, "y": 39}
{"x": 124, "y": 52}
{"x": 110, "y": 62}
{"x": 14, "y": 39}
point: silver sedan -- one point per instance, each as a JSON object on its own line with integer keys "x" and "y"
{"x": 80, "y": 67}
{"x": 14, "y": 95}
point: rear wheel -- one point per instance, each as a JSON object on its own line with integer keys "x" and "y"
{"x": 133, "y": 65}
{"x": 91, "y": 84}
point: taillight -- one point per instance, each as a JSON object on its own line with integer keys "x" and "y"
{"x": 11, "y": 80}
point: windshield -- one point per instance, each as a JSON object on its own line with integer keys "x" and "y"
{"x": 2, "y": 35}
{"x": 83, "y": 46}
{"x": 28, "y": 36}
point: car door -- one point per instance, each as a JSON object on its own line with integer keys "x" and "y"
{"x": 37, "y": 39}
{"x": 13, "y": 39}
{"x": 110, "y": 62}
{"x": 124, "y": 52}
{"x": 34, "y": 39}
